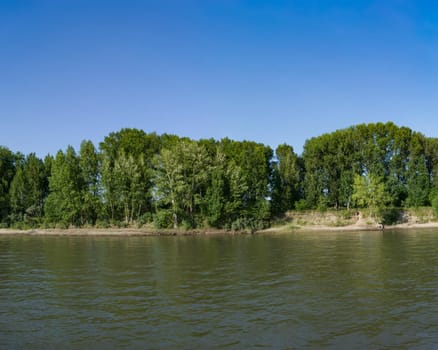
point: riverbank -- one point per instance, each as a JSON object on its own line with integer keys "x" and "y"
{"x": 351, "y": 220}
{"x": 128, "y": 232}
{"x": 112, "y": 232}
{"x": 353, "y": 227}
{"x": 330, "y": 220}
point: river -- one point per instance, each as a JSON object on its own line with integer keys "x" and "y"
{"x": 328, "y": 290}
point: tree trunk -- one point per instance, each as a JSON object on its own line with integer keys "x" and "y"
{"x": 175, "y": 221}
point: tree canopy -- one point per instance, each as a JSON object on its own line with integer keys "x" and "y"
{"x": 134, "y": 177}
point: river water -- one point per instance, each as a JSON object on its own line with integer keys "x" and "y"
{"x": 326, "y": 290}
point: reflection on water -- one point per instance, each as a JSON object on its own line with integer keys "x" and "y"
{"x": 297, "y": 290}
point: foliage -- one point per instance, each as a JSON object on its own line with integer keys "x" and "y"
{"x": 181, "y": 173}
{"x": 435, "y": 205}
{"x": 89, "y": 162}
{"x": 286, "y": 179}
{"x": 135, "y": 178}
{"x": 405, "y": 161}
{"x": 7, "y": 172}
{"x": 369, "y": 192}
{"x": 390, "y": 215}
{"x": 64, "y": 203}
{"x": 28, "y": 190}
{"x": 163, "y": 218}
{"x": 127, "y": 157}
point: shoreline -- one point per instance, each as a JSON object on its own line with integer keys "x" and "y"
{"x": 130, "y": 232}
{"x": 353, "y": 227}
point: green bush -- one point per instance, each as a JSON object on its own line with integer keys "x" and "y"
{"x": 102, "y": 224}
{"x": 348, "y": 214}
{"x": 186, "y": 224}
{"x": 238, "y": 224}
{"x": 389, "y": 216}
{"x": 250, "y": 224}
{"x": 435, "y": 205}
{"x": 144, "y": 219}
{"x": 62, "y": 225}
{"x": 163, "y": 219}
{"x": 46, "y": 224}
{"x": 301, "y": 205}
{"x": 20, "y": 226}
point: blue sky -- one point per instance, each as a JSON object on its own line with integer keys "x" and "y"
{"x": 267, "y": 71}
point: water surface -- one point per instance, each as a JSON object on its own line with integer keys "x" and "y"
{"x": 284, "y": 291}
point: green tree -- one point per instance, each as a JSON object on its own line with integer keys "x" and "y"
{"x": 128, "y": 145}
{"x": 215, "y": 197}
{"x": 323, "y": 171}
{"x": 28, "y": 191}
{"x": 249, "y": 175}
{"x": 418, "y": 177}
{"x": 128, "y": 186}
{"x": 401, "y": 158}
{"x": 369, "y": 192}
{"x": 418, "y": 183}
{"x": 89, "y": 162}
{"x": 7, "y": 172}
{"x": 66, "y": 184}
{"x": 181, "y": 173}
{"x": 286, "y": 179}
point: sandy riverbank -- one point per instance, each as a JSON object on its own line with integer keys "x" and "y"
{"x": 111, "y": 232}
{"x": 353, "y": 227}
{"x": 152, "y": 232}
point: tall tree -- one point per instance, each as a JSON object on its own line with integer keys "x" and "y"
{"x": 417, "y": 175}
{"x": 432, "y": 166}
{"x": 286, "y": 179}
{"x": 28, "y": 191}
{"x": 181, "y": 173}
{"x": 215, "y": 197}
{"x": 249, "y": 173}
{"x": 118, "y": 147}
{"x": 89, "y": 162}
{"x": 397, "y": 155}
{"x": 66, "y": 184}
{"x": 369, "y": 192}
{"x": 7, "y": 172}
{"x": 128, "y": 186}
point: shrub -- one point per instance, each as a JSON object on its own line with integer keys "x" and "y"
{"x": 102, "y": 224}
{"x": 301, "y": 205}
{"x": 144, "y": 219}
{"x": 435, "y": 205}
{"x": 163, "y": 219}
{"x": 251, "y": 224}
{"x": 62, "y": 225}
{"x": 389, "y": 216}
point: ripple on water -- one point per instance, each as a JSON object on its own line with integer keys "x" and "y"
{"x": 323, "y": 290}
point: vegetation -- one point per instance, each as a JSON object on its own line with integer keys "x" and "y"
{"x": 136, "y": 178}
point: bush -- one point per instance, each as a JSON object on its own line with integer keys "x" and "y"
{"x": 46, "y": 224}
{"x": 20, "y": 225}
{"x": 102, "y": 224}
{"x": 389, "y": 216}
{"x": 301, "y": 205}
{"x": 144, "y": 219}
{"x": 250, "y": 224}
{"x": 238, "y": 224}
{"x": 163, "y": 219}
{"x": 435, "y": 205}
{"x": 186, "y": 225}
{"x": 348, "y": 214}
{"x": 62, "y": 225}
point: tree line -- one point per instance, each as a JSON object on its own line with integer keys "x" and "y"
{"x": 136, "y": 178}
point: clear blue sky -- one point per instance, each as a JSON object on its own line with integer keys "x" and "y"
{"x": 268, "y": 71}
